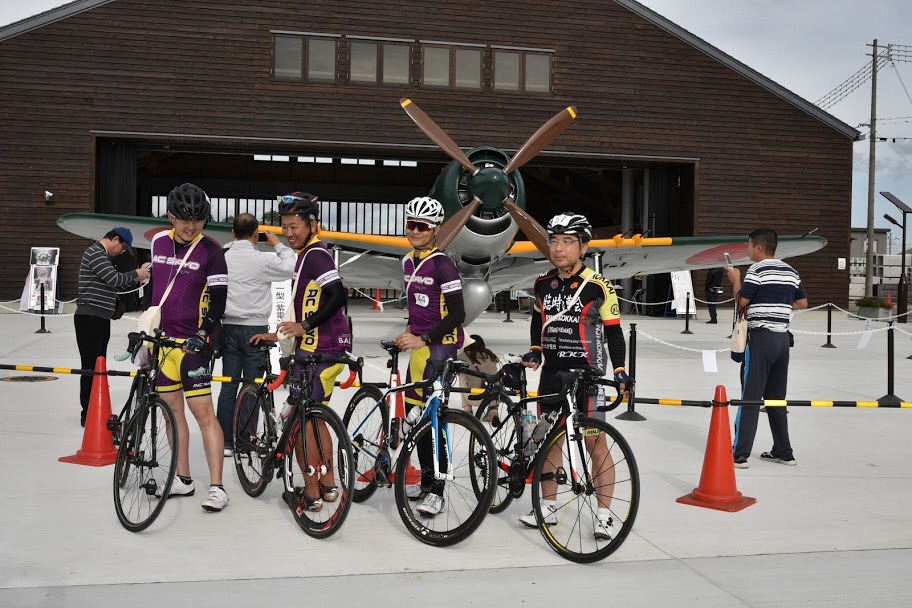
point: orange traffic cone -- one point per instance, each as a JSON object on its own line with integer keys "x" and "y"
{"x": 890, "y": 298}
{"x": 97, "y": 444}
{"x": 376, "y": 305}
{"x": 717, "y": 489}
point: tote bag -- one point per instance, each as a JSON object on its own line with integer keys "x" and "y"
{"x": 739, "y": 334}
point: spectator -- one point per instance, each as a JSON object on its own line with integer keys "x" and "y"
{"x": 481, "y": 359}
{"x": 96, "y": 299}
{"x": 250, "y": 275}
{"x": 771, "y": 291}
{"x": 713, "y": 289}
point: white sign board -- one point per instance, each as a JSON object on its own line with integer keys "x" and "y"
{"x": 682, "y": 285}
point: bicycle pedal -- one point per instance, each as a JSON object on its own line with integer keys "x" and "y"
{"x": 113, "y": 424}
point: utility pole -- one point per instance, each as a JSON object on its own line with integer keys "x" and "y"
{"x": 869, "y": 253}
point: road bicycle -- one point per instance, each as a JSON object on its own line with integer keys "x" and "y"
{"x": 146, "y": 439}
{"x": 582, "y": 480}
{"x": 461, "y": 452}
{"x": 307, "y": 442}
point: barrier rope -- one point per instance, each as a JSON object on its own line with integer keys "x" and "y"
{"x": 37, "y": 314}
{"x": 708, "y": 302}
{"x": 640, "y": 332}
{"x": 644, "y": 303}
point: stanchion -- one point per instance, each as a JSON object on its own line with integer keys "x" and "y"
{"x": 509, "y": 303}
{"x": 889, "y": 398}
{"x": 829, "y": 342}
{"x": 630, "y": 414}
{"x": 43, "y": 330}
{"x": 687, "y": 314}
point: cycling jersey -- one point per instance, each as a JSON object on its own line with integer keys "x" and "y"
{"x": 427, "y": 291}
{"x": 576, "y": 338}
{"x": 317, "y": 272}
{"x": 187, "y": 308}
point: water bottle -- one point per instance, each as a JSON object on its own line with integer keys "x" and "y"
{"x": 413, "y": 416}
{"x": 528, "y": 425}
{"x": 541, "y": 429}
{"x": 286, "y": 411}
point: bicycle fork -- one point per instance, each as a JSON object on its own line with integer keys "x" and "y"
{"x": 433, "y": 408}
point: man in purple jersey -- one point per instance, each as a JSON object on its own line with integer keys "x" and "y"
{"x": 193, "y": 267}
{"x": 436, "y": 312}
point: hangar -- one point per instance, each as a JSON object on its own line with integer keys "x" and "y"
{"x": 110, "y": 103}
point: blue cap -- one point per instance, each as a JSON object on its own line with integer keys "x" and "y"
{"x": 126, "y": 236}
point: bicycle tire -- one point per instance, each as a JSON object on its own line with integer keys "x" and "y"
{"x": 366, "y": 420}
{"x": 253, "y": 438}
{"x": 464, "y": 509}
{"x": 504, "y": 438}
{"x": 145, "y": 466}
{"x": 573, "y": 536}
{"x": 338, "y": 457}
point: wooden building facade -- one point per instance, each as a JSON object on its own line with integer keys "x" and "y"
{"x": 110, "y": 103}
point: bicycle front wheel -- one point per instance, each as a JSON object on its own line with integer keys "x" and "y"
{"x": 254, "y": 436}
{"x": 464, "y": 450}
{"x": 494, "y": 414}
{"x": 596, "y": 503}
{"x": 366, "y": 420}
{"x": 145, "y": 466}
{"x": 318, "y": 471}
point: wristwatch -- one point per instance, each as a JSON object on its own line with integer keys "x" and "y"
{"x": 202, "y": 333}
{"x": 426, "y": 339}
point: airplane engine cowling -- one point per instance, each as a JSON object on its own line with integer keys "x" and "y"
{"x": 477, "y": 296}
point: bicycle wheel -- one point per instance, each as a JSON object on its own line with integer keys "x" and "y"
{"x": 610, "y": 476}
{"x": 463, "y": 509}
{"x": 501, "y": 426}
{"x": 145, "y": 466}
{"x": 366, "y": 420}
{"x": 318, "y": 454}
{"x": 254, "y": 437}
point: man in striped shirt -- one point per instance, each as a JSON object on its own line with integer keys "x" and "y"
{"x": 95, "y": 302}
{"x": 771, "y": 291}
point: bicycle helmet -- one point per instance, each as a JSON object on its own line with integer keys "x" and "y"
{"x": 188, "y": 202}
{"x": 300, "y": 203}
{"x": 571, "y": 223}
{"x": 424, "y": 208}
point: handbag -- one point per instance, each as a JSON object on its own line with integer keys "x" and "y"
{"x": 739, "y": 334}
{"x": 287, "y": 343}
{"x": 119, "y": 308}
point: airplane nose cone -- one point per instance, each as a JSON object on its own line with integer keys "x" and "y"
{"x": 491, "y": 186}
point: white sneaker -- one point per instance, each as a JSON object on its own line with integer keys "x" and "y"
{"x": 550, "y": 512}
{"x": 229, "y": 452}
{"x": 218, "y": 499}
{"x": 431, "y": 505}
{"x": 178, "y": 488}
{"x": 604, "y": 525}
{"x": 414, "y": 492}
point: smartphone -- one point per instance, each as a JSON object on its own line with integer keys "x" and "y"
{"x": 728, "y": 260}
{"x": 261, "y": 237}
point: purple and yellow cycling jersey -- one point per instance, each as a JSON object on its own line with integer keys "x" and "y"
{"x": 427, "y": 290}
{"x": 188, "y": 302}
{"x": 317, "y": 271}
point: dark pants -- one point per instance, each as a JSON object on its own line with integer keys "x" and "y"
{"x": 92, "y": 336}
{"x": 239, "y": 359}
{"x": 764, "y": 375}
{"x": 711, "y": 299}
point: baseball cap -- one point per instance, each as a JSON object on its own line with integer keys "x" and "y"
{"x": 126, "y": 236}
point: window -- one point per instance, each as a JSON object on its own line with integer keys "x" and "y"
{"x": 395, "y": 63}
{"x": 436, "y": 67}
{"x": 364, "y": 62}
{"x": 522, "y": 71}
{"x": 468, "y": 68}
{"x": 538, "y": 73}
{"x": 321, "y": 59}
{"x": 506, "y": 71}
{"x": 288, "y": 53}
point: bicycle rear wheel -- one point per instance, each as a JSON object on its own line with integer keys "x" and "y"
{"x": 366, "y": 420}
{"x": 502, "y": 427}
{"x": 470, "y": 452}
{"x": 145, "y": 466}
{"x": 318, "y": 457}
{"x": 610, "y": 476}
{"x": 254, "y": 436}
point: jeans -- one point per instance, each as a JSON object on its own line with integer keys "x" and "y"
{"x": 239, "y": 359}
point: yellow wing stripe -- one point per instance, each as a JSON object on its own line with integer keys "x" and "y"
{"x": 520, "y": 247}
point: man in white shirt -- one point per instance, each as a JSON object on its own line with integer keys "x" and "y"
{"x": 250, "y": 273}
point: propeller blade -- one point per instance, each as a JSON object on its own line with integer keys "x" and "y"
{"x": 450, "y": 228}
{"x": 436, "y": 134}
{"x": 534, "y": 231}
{"x": 541, "y": 138}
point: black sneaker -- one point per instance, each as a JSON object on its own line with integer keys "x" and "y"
{"x": 791, "y": 462}
{"x": 82, "y": 419}
{"x": 711, "y": 322}
{"x": 741, "y": 462}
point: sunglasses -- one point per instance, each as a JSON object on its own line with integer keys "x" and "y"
{"x": 419, "y": 226}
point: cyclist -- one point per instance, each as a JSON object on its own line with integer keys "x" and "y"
{"x": 577, "y": 325}
{"x": 436, "y": 311}
{"x": 320, "y": 325}
{"x": 190, "y": 312}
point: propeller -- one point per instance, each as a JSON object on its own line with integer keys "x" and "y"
{"x": 448, "y": 231}
{"x": 541, "y": 138}
{"x": 532, "y": 229}
{"x": 436, "y": 134}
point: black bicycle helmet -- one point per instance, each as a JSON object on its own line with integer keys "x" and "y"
{"x": 188, "y": 202}
{"x": 300, "y": 203}
{"x": 571, "y": 223}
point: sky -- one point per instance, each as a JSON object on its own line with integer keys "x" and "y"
{"x": 808, "y": 46}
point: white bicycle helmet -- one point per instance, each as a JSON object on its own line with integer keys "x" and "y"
{"x": 571, "y": 223}
{"x": 424, "y": 208}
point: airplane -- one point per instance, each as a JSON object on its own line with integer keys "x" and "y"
{"x": 483, "y": 196}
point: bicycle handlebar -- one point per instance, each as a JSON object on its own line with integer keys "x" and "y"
{"x": 279, "y": 381}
